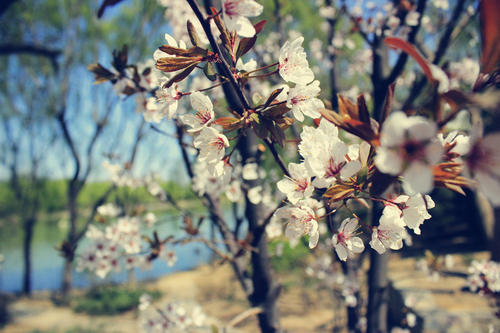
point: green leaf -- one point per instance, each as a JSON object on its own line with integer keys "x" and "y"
{"x": 193, "y": 35}
{"x": 209, "y": 70}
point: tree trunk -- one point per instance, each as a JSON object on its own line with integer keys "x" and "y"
{"x": 495, "y": 239}
{"x": 265, "y": 289}
{"x": 70, "y": 239}
{"x": 29, "y": 224}
{"x": 378, "y": 296}
{"x": 350, "y": 269}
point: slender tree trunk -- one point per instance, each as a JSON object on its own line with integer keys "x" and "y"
{"x": 29, "y": 224}
{"x": 350, "y": 270}
{"x": 495, "y": 239}
{"x": 68, "y": 264}
{"x": 378, "y": 296}
{"x": 265, "y": 289}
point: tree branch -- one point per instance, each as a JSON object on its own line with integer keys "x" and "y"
{"x": 443, "y": 45}
{"x": 215, "y": 47}
{"x": 30, "y": 49}
{"x": 403, "y": 57}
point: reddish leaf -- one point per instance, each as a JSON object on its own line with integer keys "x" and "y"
{"x": 490, "y": 35}
{"x": 387, "y": 103}
{"x": 181, "y": 76}
{"x": 175, "y": 63}
{"x": 272, "y": 97}
{"x": 363, "y": 113}
{"x": 339, "y": 192}
{"x": 259, "y": 26}
{"x": 228, "y": 123}
{"x": 226, "y": 40}
{"x": 398, "y": 43}
{"x": 193, "y": 35}
{"x": 195, "y": 51}
{"x": 101, "y": 74}
{"x": 245, "y": 45}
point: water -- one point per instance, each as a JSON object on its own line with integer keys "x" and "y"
{"x": 48, "y": 264}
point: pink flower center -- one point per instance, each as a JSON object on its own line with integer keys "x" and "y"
{"x": 382, "y": 235}
{"x": 413, "y": 150}
{"x": 301, "y": 185}
{"x": 298, "y": 99}
{"x": 203, "y": 117}
{"x": 218, "y": 143}
{"x": 342, "y": 238}
{"x": 333, "y": 169}
{"x": 479, "y": 158}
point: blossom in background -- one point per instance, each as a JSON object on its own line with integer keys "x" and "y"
{"x": 173, "y": 317}
{"x": 204, "y": 181}
{"x": 144, "y": 302}
{"x": 460, "y": 142}
{"x": 484, "y": 274}
{"x": 483, "y": 163}
{"x": 250, "y": 171}
{"x": 234, "y": 192}
{"x": 298, "y": 185}
{"x": 168, "y": 255}
{"x": 302, "y": 101}
{"x": 235, "y": 13}
{"x": 150, "y": 219}
{"x": 442, "y": 4}
{"x": 248, "y": 66}
{"x": 204, "y": 115}
{"x": 408, "y": 146}
{"x": 108, "y": 209}
{"x": 412, "y": 18}
{"x": 345, "y": 242}
{"x": 293, "y": 65}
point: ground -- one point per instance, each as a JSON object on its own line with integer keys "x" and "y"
{"x": 304, "y": 308}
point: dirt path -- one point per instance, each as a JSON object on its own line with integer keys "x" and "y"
{"x": 303, "y": 309}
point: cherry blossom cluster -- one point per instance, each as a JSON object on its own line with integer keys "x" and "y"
{"x": 118, "y": 245}
{"x": 484, "y": 276}
{"x": 173, "y": 317}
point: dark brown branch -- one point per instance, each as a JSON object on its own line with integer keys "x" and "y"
{"x": 215, "y": 47}
{"x": 403, "y": 57}
{"x": 30, "y": 49}
{"x": 70, "y": 143}
{"x": 5, "y": 4}
{"x": 277, "y": 157}
{"x": 332, "y": 22}
{"x": 442, "y": 47}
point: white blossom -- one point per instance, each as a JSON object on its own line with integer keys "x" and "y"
{"x": 300, "y": 221}
{"x": 483, "y": 162}
{"x": 345, "y": 242}
{"x": 302, "y": 101}
{"x": 212, "y": 144}
{"x": 298, "y": 185}
{"x": 293, "y": 65}
{"x": 204, "y": 115}
{"x": 108, "y": 209}
{"x": 409, "y": 147}
{"x": 235, "y": 13}
{"x": 389, "y": 233}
